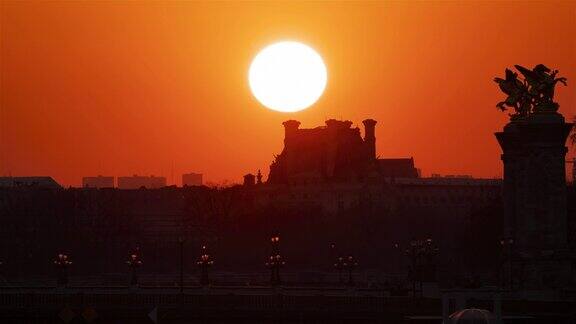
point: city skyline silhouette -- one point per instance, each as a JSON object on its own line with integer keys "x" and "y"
{"x": 111, "y": 89}
{"x": 287, "y": 162}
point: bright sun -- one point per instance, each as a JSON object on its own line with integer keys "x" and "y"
{"x": 287, "y": 76}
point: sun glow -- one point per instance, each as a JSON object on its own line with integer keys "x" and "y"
{"x": 287, "y": 76}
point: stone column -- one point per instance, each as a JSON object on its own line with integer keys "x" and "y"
{"x": 534, "y": 190}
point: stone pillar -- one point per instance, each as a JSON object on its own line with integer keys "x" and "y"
{"x": 534, "y": 190}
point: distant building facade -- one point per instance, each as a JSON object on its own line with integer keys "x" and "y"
{"x": 335, "y": 152}
{"x": 32, "y": 182}
{"x": 192, "y": 179}
{"x": 452, "y": 176}
{"x": 137, "y": 182}
{"x": 447, "y": 195}
{"x": 98, "y": 182}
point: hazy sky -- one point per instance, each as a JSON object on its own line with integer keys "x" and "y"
{"x": 118, "y": 88}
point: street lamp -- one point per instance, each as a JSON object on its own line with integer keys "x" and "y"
{"x": 350, "y": 264}
{"x": 339, "y": 265}
{"x": 419, "y": 249}
{"x": 62, "y": 262}
{"x": 205, "y": 262}
{"x": 134, "y": 262}
{"x": 275, "y": 239}
{"x": 333, "y": 255}
{"x": 507, "y": 245}
{"x": 275, "y": 261}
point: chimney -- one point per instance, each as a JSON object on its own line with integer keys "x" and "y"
{"x": 290, "y": 129}
{"x": 259, "y": 177}
{"x": 369, "y": 137}
{"x": 249, "y": 180}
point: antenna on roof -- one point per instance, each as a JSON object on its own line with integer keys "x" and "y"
{"x": 172, "y": 173}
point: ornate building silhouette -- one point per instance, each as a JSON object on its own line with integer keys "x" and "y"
{"x": 334, "y": 153}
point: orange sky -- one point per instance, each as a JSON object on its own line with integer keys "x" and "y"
{"x": 118, "y": 88}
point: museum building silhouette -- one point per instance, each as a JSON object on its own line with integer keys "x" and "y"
{"x": 335, "y": 152}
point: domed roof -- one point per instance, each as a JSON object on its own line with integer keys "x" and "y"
{"x": 472, "y": 316}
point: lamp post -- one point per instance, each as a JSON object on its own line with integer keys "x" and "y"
{"x": 134, "y": 262}
{"x": 414, "y": 253}
{"x": 275, "y": 261}
{"x": 350, "y": 264}
{"x": 418, "y": 250}
{"x": 332, "y": 255}
{"x": 62, "y": 262}
{"x": 205, "y": 262}
{"x": 339, "y": 265}
{"x": 507, "y": 244}
{"x": 398, "y": 256}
